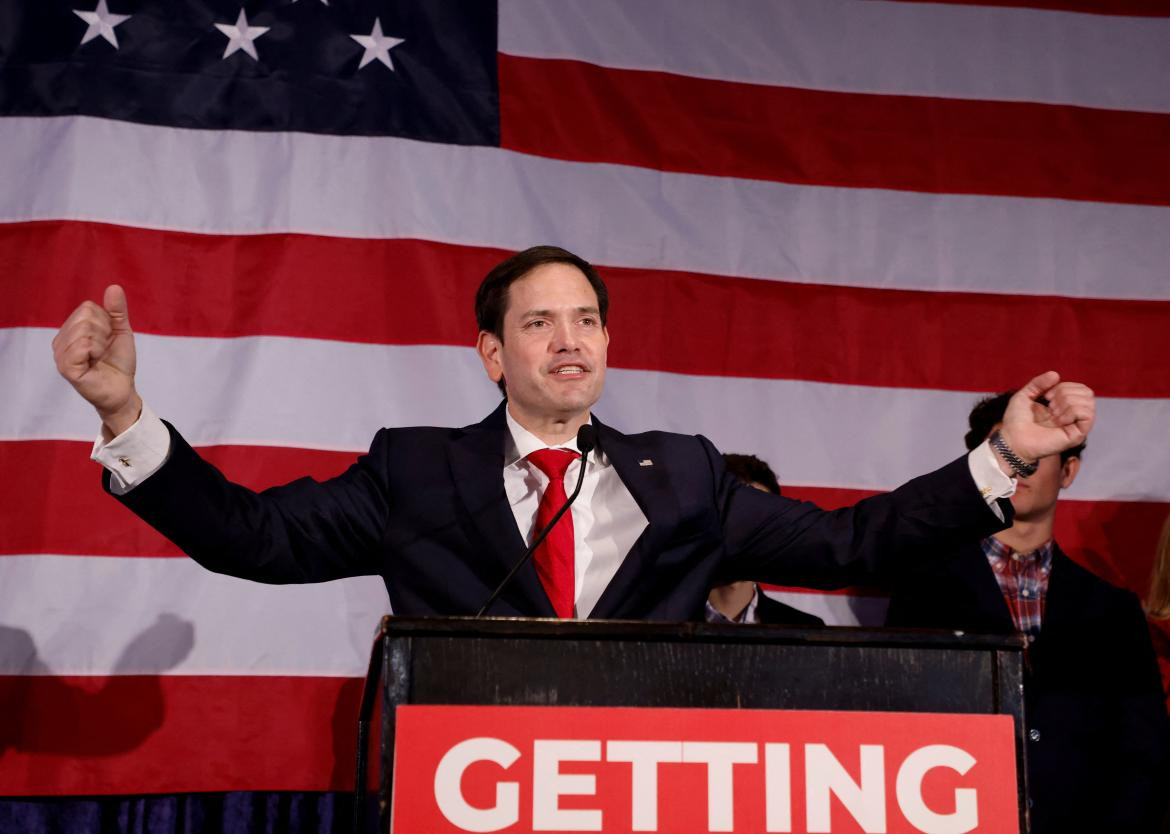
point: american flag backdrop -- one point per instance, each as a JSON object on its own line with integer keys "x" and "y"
{"x": 827, "y": 226}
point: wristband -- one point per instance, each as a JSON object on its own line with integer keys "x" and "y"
{"x": 1020, "y": 466}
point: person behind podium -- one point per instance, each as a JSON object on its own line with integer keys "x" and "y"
{"x": 442, "y": 514}
{"x": 1098, "y": 742}
{"x": 743, "y": 602}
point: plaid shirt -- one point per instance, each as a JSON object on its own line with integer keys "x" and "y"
{"x": 1023, "y": 580}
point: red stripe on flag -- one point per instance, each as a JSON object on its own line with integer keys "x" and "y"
{"x": 132, "y": 734}
{"x": 418, "y": 292}
{"x": 185, "y": 284}
{"x": 73, "y": 515}
{"x": 890, "y": 338}
{"x": 838, "y": 592}
{"x": 1116, "y": 539}
{"x": 578, "y": 111}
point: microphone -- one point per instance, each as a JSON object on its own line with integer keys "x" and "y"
{"x": 586, "y": 442}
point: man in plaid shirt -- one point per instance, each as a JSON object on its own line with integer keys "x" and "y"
{"x": 1098, "y": 754}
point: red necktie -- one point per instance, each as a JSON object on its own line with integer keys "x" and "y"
{"x": 554, "y": 557}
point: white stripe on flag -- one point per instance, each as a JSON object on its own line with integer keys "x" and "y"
{"x": 844, "y": 45}
{"x": 838, "y": 609}
{"x": 334, "y": 395}
{"x": 189, "y": 621}
{"x": 167, "y": 178}
{"x": 90, "y": 615}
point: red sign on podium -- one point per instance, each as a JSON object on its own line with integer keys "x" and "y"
{"x": 693, "y": 771}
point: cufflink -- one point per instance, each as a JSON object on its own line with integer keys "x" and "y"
{"x": 124, "y": 461}
{"x": 645, "y": 462}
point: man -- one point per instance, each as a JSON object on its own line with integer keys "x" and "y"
{"x": 442, "y": 514}
{"x": 1097, "y": 735}
{"x": 743, "y": 602}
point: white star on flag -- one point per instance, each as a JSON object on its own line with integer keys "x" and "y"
{"x": 241, "y": 35}
{"x": 377, "y": 46}
{"x": 101, "y": 22}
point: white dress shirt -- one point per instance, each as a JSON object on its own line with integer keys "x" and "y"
{"x": 606, "y": 519}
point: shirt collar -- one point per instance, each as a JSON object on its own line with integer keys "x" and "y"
{"x": 521, "y": 443}
{"x": 993, "y": 548}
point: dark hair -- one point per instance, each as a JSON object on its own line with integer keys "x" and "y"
{"x": 989, "y": 411}
{"x": 491, "y": 299}
{"x": 750, "y": 469}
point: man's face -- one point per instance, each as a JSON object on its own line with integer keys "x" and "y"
{"x": 553, "y": 351}
{"x": 1037, "y": 494}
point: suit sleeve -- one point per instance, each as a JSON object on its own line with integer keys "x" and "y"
{"x": 780, "y": 540}
{"x": 305, "y": 531}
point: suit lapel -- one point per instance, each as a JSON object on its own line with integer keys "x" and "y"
{"x": 654, "y": 494}
{"x": 974, "y": 571}
{"x": 1069, "y": 604}
{"x": 477, "y": 466}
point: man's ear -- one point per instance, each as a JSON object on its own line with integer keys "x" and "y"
{"x": 1068, "y": 472}
{"x": 488, "y": 348}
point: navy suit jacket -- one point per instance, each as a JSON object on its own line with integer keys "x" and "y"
{"x": 1098, "y": 747}
{"x": 426, "y": 510}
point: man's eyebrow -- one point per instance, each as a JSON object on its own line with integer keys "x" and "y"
{"x": 532, "y": 313}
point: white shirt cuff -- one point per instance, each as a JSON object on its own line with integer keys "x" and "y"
{"x": 135, "y": 454}
{"x": 989, "y": 478}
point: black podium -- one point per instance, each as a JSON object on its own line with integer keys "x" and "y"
{"x": 496, "y": 661}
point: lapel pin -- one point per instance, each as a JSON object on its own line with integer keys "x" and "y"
{"x": 645, "y": 462}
